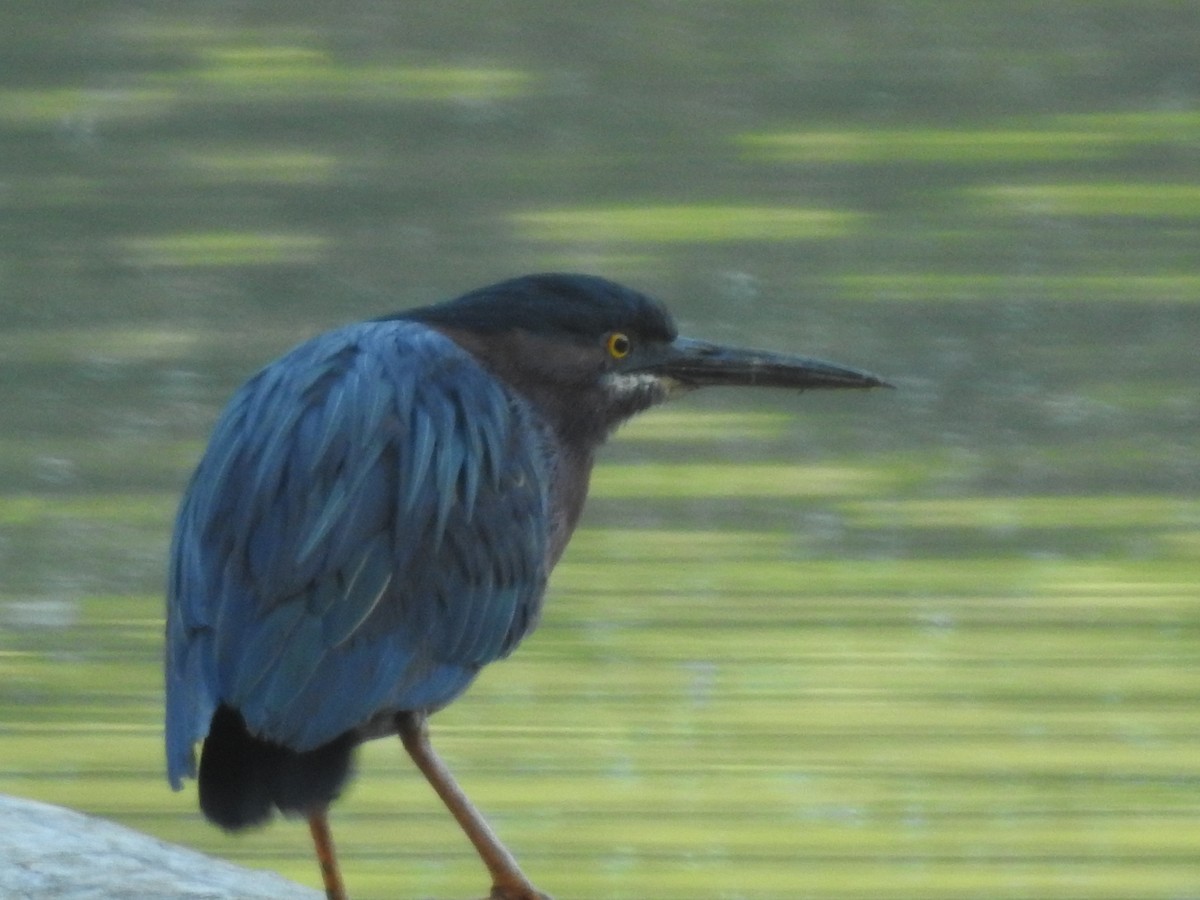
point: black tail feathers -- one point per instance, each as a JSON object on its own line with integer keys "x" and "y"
{"x": 243, "y": 779}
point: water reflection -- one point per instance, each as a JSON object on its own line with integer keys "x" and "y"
{"x": 938, "y": 644}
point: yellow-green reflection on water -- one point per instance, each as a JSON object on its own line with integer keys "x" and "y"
{"x": 701, "y": 223}
{"x": 222, "y": 248}
{"x": 1092, "y": 199}
{"x": 702, "y": 714}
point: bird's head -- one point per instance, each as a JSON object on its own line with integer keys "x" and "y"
{"x": 590, "y": 353}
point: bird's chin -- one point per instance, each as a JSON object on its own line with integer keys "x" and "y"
{"x": 629, "y": 393}
{"x": 625, "y": 386}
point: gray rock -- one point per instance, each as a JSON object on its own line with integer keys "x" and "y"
{"x": 50, "y": 852}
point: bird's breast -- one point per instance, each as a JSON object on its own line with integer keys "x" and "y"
{"x": 569, "y": 481}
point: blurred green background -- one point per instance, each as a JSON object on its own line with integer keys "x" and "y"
{"x": 940, "y": 642}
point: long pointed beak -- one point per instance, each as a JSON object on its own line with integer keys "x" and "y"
{"x": 695, "y": 363}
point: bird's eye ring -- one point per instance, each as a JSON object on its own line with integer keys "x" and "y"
{"x": 618, "y": 345}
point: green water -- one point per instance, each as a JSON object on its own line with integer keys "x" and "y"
{"x": 939, "y": 642}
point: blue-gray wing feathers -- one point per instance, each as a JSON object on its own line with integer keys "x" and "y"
{"x": 366, "y": 529}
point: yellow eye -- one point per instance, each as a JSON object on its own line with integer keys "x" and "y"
{"x": 618, "y": 345}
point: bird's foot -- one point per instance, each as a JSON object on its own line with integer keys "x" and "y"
{"x": 517, "y": 892}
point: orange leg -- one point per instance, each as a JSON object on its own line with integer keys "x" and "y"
{"x": 508, "y": 881}
{"x": 318, "y": 824}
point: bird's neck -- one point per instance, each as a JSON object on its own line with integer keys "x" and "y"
{"x": 568, "y": 491}
{"x": 576, "y": 417}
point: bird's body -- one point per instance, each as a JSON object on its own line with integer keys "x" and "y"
{"x": 376, "y": 517}
{"x": 367, "y": 554}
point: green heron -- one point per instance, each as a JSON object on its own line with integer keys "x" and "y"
{"x": 374, "y": 521}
